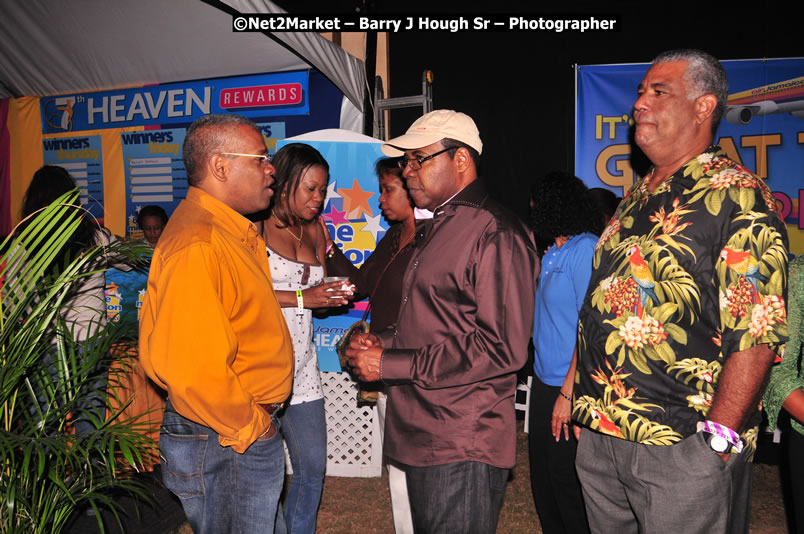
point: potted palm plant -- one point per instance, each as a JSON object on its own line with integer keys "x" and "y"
{"x": 47, "y": 381}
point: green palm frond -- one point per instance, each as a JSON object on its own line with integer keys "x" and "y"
{"x": 47, "y": 381}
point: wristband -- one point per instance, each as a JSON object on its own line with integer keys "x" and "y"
{"x": 724, "y": 432}
{"x": 299, "y": 302}
{"x": 562, "y": 394}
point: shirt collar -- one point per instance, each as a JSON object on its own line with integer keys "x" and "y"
{"x": 701, "y": 161}
{"x": 473, "y": 194}
{"x": 224, "y": 215}
{"x": 421, "y": 214}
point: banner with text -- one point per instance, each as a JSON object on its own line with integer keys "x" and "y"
{"x": 83, "y": 159}
{"x": 762, "y": 128}
{"x": 352, "y": 215}
{"x": 264, "y": 95}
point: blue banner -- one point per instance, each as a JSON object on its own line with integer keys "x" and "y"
{"x": 353, "y": 217}
{"x": 154, "y": 172}
{"x": 761, "y": 128}
{"x": 125, "y": 293}
{"x": 83, "y": 159}
{"x": 154, "y": 169}
{"x": 258, "y": 96}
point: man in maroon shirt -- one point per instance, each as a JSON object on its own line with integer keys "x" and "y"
{"x": 461, "y": 335}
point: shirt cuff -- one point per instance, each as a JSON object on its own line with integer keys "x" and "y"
{"x": 246, "y": 436}
{"x": 395, "y": 366}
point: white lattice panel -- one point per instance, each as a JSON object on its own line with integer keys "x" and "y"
{"x": 354, "y": 445}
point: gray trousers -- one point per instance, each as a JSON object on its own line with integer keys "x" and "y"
{"x": 686, "y": 488}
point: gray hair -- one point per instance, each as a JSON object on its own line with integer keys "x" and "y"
{"x": 210, "y": 134}
{"x": 704, "y": 76}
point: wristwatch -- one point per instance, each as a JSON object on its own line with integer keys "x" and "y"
{"x": 720, "y": 438}
{"x": 717, "y": 443}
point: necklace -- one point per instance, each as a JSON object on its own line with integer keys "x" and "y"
{"x": 301, "y": 230}
{"x": 301, "y": 234}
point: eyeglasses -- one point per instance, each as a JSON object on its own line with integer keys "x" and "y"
{"x": 265, "y": 158}
{"x": 416, "y": 163}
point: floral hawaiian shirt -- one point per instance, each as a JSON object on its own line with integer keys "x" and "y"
{"x": 683, "y": 277}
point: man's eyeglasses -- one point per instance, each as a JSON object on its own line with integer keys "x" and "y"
{"x": 265, "y": 158}
{"x": 416, "y": 163}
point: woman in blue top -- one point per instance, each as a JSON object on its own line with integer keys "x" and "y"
{"x": 566, "y": 224}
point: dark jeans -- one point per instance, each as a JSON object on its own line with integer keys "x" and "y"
{"x": 221, "y": 490}
{"x": 463, "y": 497}
{"x": 553, "y": 480}
{"x": 686, "y": 488}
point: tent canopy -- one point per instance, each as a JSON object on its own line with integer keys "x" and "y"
{"x": 62, "y": 47}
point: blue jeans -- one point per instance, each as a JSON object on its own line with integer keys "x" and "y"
{"x": 463, "y": 497}
{"x": 221, "y": 490}
{"x": 304, "y": 428}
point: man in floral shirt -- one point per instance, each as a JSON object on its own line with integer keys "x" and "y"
{"x": 684, "y": 316}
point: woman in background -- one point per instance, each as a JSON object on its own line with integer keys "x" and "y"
{"x": 566, "y": 223}
{"x": 84, "y": 311}
{"x": 786, "y": 390}
{"x": 152, "y": 221}
{"x": 380, "y": 279}
{"x": 606, "y": 202}
{"x": 295, "y": 245}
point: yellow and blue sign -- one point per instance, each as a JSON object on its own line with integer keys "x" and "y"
{"x": 125, "y": 293}
{"x": 258, "y": 96}
{"x": 355, "y": 223}
{"x": 761, "y": 128}
{"x": 83, "y": 159}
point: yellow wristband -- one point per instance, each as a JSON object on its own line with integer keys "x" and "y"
{"x": 299, "y": 302}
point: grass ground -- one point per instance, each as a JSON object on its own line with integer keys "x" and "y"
{"x": 363, "y": 505}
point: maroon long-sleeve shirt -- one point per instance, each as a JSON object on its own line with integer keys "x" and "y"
{"x": 461, "y": 335}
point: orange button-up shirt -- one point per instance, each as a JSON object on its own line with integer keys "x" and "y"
{"x": 211, "y": 331}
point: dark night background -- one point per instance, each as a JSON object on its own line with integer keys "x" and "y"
{"x": 519, "y": 87}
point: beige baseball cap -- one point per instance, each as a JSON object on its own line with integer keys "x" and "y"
{"x": 434, "y": 127}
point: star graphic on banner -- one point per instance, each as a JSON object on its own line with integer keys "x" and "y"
{"x": 112, "y": 290}
{"x": 355, "y": 200}
{"x": 335, "y": 217}
{"x": 138, "y": 208}
{"x": 373, "y": 225}
{"x": 331, "y": 193}
{"x": 362, "y": 240}
{"x": 132, "y": 220}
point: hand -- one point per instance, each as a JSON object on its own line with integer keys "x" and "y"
{"x": 364, "y": 353}
{"x": 326, "y": 295}
{"x": 562, "y": 410}
{"x": 576, "y": 429}
{"x": 361, "y": 340}
{"x": 724, "y": 456}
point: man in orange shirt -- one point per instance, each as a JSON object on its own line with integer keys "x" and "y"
{"x": 212, "y": 334}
